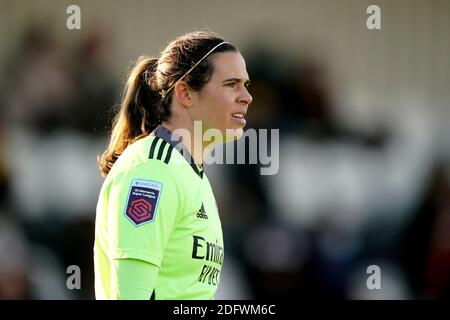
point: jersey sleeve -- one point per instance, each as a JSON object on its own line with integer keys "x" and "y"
{"x": 132, "y": 279}
{"x": 144, "y": 202}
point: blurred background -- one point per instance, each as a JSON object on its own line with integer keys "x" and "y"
{"x": 364, "y": 162}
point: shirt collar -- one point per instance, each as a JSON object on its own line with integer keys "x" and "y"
{"x": 174, "y": 141}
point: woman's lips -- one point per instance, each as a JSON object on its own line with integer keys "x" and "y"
{"x": 239, "y": 116}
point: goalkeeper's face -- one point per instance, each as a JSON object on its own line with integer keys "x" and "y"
{"x": 223, "y": 102}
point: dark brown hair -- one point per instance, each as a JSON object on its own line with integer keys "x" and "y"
{"x": 142, "y": 108}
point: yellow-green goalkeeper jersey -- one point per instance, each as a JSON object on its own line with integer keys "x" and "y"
{"x": 157, "y": 205}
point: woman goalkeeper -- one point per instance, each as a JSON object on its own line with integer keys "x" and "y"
{"x": 158, "y": 234}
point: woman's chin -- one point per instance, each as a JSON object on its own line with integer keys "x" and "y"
{"x": 233, "y": 134}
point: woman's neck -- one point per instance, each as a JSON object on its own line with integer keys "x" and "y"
{"x": 191, "y": 137}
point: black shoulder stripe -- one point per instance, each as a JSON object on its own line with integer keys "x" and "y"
{"x": 168, "y": 155}
{"x": 152, "y": 148}
{"x": 161, "y": 149}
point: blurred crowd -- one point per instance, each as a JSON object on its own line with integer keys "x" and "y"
{"x": 56, "y": 103}
{"x": 345, "y": 197}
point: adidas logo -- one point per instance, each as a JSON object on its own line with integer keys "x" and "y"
{"x": 202, "y": 213}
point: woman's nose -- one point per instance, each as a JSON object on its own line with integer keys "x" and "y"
{"x": 246, "y": 97}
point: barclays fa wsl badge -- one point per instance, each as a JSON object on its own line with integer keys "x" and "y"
{"x": 142, "y": 201}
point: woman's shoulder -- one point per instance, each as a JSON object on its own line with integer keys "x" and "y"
{"x": 147, "y": 159}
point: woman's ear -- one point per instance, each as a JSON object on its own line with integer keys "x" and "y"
{"x": 183, "y": 93}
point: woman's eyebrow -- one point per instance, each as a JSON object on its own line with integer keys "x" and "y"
{"x": 246, "y": 81}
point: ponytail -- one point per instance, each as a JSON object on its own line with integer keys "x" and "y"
{"x": 139, "y": 114}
